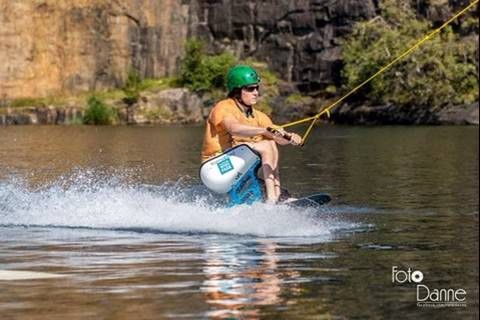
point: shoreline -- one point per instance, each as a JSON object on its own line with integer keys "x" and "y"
{"x": 345, "y": 114}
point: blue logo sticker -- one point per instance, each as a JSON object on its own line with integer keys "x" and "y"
{"x": 225, "y": 165}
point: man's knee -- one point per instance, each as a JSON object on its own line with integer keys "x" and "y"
{"x": 273, "y": 146}
{"x": 271, "y": 150}
{"x": 264, "y": 147}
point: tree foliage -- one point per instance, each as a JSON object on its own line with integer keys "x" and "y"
{"x": 202, "y": 72}
{"x": 442, "y": 71}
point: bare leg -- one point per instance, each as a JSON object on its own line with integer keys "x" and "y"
{"x": 276, "y": 174}
{"x": 269, "y": 154}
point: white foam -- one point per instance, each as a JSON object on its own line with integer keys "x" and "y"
{"x": 89, "y": 203}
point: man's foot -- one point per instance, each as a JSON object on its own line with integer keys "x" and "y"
{"x": 280, "y": 201}
{"x": 271, "y": 201}
{"x": 287, "y": 200}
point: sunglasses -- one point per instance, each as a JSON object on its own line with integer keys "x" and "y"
{"x": 251, "y": 88}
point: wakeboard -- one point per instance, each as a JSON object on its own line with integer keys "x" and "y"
{"x": 314, "y": 200}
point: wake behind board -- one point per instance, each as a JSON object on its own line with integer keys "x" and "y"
{"x": 314, "y": 200}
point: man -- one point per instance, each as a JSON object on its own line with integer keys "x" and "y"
{"x": 234, "y": 121}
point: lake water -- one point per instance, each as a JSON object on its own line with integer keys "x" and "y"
{"x": 117, "y": 213}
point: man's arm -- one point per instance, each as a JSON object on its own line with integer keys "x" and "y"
{"x": 283, "y": 137}
{"x": 236, "y": 128}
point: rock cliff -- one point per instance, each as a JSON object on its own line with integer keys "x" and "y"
{"x": 299, "y": 39}
{"x": 59, "y": 47}
{"x": 52, "y": 47}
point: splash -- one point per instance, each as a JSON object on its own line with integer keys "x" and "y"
{"x": 87, "y": 199}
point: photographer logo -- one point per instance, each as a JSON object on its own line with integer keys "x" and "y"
{"x": 427, "y": 296}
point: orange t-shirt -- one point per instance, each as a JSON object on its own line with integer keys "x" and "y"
{"x": 217, "y": 139}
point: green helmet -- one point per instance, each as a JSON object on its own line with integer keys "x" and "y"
{"x": 240, "y": 76}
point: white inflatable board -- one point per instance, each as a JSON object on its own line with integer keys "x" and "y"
{"x": 220, "y": 173}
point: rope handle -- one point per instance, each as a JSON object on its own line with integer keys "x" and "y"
{"x": 276, "y": 132}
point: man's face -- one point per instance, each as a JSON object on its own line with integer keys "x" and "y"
{"x": 250, "y": 94}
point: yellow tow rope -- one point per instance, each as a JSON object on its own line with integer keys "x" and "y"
{"x": 383, "y": 69}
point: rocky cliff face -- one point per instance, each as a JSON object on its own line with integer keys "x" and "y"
{"x": 51, "y": 47}
{"x": 299, "y": 39}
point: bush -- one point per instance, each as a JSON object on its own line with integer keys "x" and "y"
{"x": 132, "y": 87}
{"x": 202, "y": 72}
{"x": 206, "y": 73}
{"x": 98, "y": 113}
{"x": 159, "y": 84}
{"x": 442, "y": 71}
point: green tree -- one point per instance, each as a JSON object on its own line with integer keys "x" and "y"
{"x": 442, "y": 71}
{"x": 202, "y": 72}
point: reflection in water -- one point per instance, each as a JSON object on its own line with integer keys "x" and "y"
{"x": 241, "y": 277}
